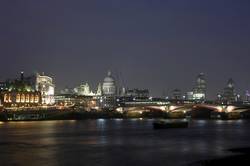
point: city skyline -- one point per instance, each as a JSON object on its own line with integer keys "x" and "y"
{"x": 124, "y": 82}
{"x": 199, "y": 87}
{"x": 156, "y": 45}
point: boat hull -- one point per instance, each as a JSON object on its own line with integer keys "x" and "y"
{"x": 160, "y": 125}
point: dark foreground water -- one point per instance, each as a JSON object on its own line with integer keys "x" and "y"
{"x": 117, "y": 142}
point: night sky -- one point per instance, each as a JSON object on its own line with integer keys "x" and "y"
{"x": 155, "y": 44}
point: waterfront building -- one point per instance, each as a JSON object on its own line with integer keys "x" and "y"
{"x": 74, "y": 101}
{"x": 68, "y": 100}
{"x": 15, "y": 98}
{"x": 45, "y": 85}
{"x": 29, "y": 86}
{"x": 19, "y": 93}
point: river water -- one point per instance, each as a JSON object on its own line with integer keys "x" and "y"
{"x": 117, "y": 142}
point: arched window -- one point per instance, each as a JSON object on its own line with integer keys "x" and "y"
{"x": 36, "y": 99}
{"x": 31, "y": 98}
{"x": 27, "y": 99}
{"x": 6, "y": 98}
{"x": 18, "y": 98}
{"x": 22, "y": 98}
{"x": 10, "y": 100}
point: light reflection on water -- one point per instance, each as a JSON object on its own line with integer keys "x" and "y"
{"x": 117, "y": 142}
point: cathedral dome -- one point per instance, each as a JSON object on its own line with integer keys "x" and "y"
{"x": 108, "y": 86}
{"x": 109, "y": 78}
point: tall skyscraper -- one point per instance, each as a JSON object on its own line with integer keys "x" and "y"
{"x": 229, "y": 94}
{"x": 199, "y": 92}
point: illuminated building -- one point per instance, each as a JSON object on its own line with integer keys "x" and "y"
{"x": 84, "y": 90}
{"x": 108, "y": 86}
{"x": 108, "y": 99}
{"x": 68, "y": 100}
{"x": 190, "y": 95}
{"x": 44, "y": 84}
{"x": 80, "y": 102}
{"x": 19, "y": 93}
{"x": 199, "y": 92}
{"x": 20, "y": 98}
{"x": 229, "y": 94}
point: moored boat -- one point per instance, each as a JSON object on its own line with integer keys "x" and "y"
{"x": 167, "y": 125}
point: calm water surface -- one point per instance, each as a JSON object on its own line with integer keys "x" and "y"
{"x": 117, "y": 142}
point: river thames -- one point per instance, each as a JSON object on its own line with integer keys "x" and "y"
{"x": 117, "y": 142}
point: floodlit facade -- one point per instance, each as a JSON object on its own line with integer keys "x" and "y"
{"x": 20, "y": 98}
{"x": 19, "y": 93}
{"x": 108, "y": 86}
{"x": 108, "y": 99}
{"x": 44, "y": 84}
{"x": 85, "y": 90}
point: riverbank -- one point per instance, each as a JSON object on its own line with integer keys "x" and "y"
{"x": 69, "y": 114}
{"x": 75, "y": 115}
{"x": 241, "y": 158}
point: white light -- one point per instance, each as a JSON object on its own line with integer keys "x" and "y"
{"x": 219, "y": 108}
{"x": 171, "y": 108}
{"x": 230, "y": 108}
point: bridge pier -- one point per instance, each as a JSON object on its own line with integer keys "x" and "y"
{"x": 231, "y": 115}
{"x": 176, "y": 115}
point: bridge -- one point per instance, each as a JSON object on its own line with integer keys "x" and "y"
{"x": 185, "y": 109}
